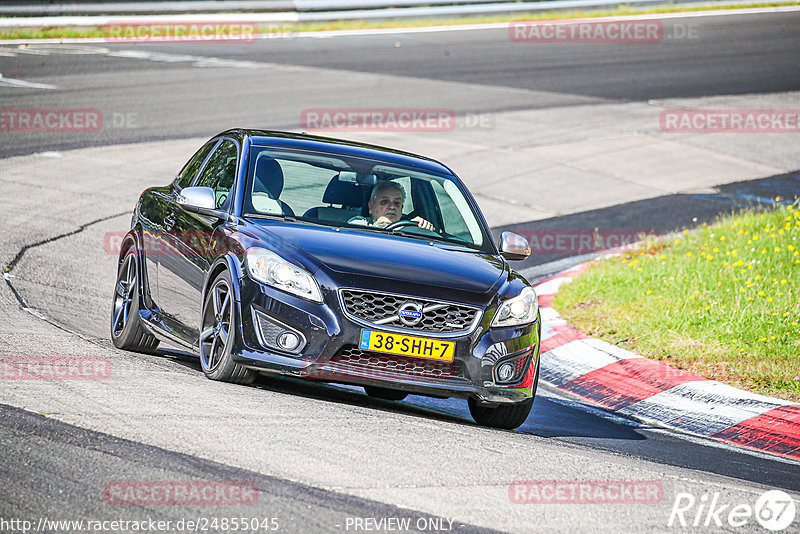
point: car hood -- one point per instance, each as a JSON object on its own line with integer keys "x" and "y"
{"x": 365, "y": 253}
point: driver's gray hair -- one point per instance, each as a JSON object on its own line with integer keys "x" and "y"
{"x": 386, "y": 184}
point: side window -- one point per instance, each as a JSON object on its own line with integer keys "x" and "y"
{"x": 220, "y": 171}
{"x": 186, "y": 175}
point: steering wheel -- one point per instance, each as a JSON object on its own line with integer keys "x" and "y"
{"x": 405, "y": 222}
{"x": 401, "y": 224}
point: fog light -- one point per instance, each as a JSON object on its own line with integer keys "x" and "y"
{"x": 505, "y": 372}
{"x": 288, "y": 341}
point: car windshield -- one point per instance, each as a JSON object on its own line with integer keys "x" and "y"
{"x": 362, "y": 194}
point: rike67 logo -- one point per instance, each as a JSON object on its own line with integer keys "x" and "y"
{"x": 774, "y": 510}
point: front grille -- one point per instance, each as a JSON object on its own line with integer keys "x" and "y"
{"x": 382, "y": 309}
{"x": 351, "y": 358}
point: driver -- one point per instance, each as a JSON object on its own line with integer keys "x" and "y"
{"x": 386, "y": 207}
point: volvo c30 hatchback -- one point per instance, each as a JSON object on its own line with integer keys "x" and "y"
{"x": 334, "y": 261}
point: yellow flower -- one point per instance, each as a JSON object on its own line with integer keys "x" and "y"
{"x": 769, "y": 299}
{"x": 784, "y": 281}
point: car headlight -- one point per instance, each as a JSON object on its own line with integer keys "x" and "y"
{"x": 522, "y": 309}
{"x": 269, "y": 268}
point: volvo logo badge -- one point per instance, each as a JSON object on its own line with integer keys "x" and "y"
{"x": 410, "y": 313}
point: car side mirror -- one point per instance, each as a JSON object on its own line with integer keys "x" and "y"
{"x": 514, "y": 246}
{"x": 202, "y": 200}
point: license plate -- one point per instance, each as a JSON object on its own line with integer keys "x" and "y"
{"x": 418, "y": 347}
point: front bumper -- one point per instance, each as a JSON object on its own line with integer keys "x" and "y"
{"x": 330, "y": 351}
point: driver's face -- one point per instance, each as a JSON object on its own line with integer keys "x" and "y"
{"x": 388, "y": 203}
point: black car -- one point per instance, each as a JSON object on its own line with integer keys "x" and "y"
{"x": 331, "y": 260}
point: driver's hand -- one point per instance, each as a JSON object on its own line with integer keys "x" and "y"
{"x": 383, "y": 222}
{"x": 422, "y": 223}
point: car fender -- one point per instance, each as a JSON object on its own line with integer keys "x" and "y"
{"x": 234, "y": 265}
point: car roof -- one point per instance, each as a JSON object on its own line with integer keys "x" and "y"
{"x": 303, "y": 141}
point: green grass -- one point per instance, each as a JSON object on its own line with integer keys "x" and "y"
{"x": 722, "y": 301}
{"x": 622, "y": 9}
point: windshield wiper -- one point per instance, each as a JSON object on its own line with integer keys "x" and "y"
{"x": 268, "y": 216}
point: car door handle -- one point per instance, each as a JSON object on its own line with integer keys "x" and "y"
{"x": 169, "y": 222}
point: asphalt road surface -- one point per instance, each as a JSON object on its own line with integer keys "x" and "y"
{"x": 324, "y": 457}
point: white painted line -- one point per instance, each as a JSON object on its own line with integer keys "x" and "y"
{"x": 551, "y": 287}
{"x": 12, "y": 82}
{"x": 703, "y": 407}
{"x": 197, "y": 61}
{"x": 550, "y": 318}
{"x": 579, "y": 357}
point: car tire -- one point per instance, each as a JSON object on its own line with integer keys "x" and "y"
{"x": 505, "y": 416}
{"x": 385, "y": 393}
{"x": 127, "y": 332}
{"x": 218, "y": 332}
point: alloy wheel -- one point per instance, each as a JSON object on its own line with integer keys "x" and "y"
{"x": 216, "y": 325}
{"x": 124, "y": 295}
